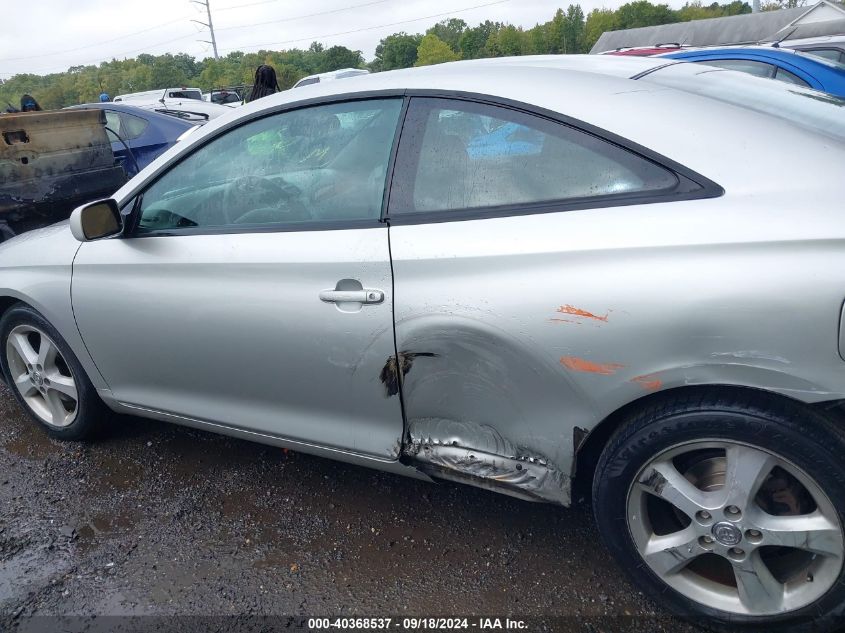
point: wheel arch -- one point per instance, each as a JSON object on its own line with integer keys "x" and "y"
{"x": 66, "y": 327}
{"x": 587, "y": 453}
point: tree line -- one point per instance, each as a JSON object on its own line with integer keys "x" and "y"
{"x": 568, "y": 31}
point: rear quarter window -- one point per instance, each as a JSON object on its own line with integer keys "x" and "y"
{"x": 459, "y": 155}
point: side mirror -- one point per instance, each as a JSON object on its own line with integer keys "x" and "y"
{"x": 95, "y": 220}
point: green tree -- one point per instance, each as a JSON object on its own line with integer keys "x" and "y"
{"x": 573, "y": 29}
{"x": 774, "y": 5}
{"x": 473, "y": 41}
{"x": 433, "y": 50}
{"x": 340, "y": 57}
{"x": 536, "y": 40}
{"x": 506, "y": 42}
{"x": 642, "y": 13}
{"x": 598, "y": 21}
{"x": 555, "y": 29}
{"x": 449, "y": 31}
{"x": 396, "y": 51}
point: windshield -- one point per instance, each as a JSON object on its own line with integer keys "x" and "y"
{"x": 185, "y": 94}
{"x": 811, "y": 109}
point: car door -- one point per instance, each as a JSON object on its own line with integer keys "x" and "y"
{"x": 254, "y": 289}
{"x": 509, "y": 241}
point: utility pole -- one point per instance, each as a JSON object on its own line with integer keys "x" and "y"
{"x": 210, "y": 25}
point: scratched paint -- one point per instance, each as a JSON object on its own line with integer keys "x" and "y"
{"x": 578, "y": 312}
{"x": 565, "y": 321}
{"x": 649, "y": 382}
{"x": 586, "y": 366}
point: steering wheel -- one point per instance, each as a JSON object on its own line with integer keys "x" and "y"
{"x": 262, "y": 201}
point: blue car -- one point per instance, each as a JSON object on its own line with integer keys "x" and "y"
{"x": 139, "y": 136}
{"x": 775, "y": 63}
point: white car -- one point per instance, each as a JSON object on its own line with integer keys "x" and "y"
{"x": 185, "y": 103}
{"x": 343, "y": 73}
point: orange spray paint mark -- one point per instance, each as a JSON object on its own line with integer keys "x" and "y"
{"x": 569, "y": 309}
{"x": 648, "y": 382}
{"x": 579, "y": 364}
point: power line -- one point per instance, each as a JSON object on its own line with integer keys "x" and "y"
{"x": 298, "y": 17}
{"x": 79, "y": 48}
{"x": 368, "y": 28}
{"x": 169, "y": 22}
{"x": 248, "y": 4}
{"x": 135, "y": 50}
{"x": 303, "y": 39}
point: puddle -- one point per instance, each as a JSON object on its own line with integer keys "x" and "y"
{"x": 30, "y": 442}
{"x": 115, "y": 474}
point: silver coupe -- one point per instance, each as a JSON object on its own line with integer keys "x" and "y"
{"x": 609, "y": 278}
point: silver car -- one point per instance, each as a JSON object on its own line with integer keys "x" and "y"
{"x": 551, "y": 278}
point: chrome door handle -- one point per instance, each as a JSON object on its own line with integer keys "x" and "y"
{"x": 367, "y": 295}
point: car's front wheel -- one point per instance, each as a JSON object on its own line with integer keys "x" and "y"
{"x": 730, "y": 510}
{"x": 45, "y": 376}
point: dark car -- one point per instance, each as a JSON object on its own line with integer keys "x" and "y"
{"x": 138, "y": 136}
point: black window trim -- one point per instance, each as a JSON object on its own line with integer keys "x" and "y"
{"x": 706, "y": 188}
{"x": 135, "y": 197}
{"x": 691, "y": 185}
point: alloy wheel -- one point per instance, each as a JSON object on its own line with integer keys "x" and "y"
{"x": 735, "y": 527}
{"x": 41, "y": 376}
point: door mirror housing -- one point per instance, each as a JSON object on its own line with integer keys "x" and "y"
{"x": 96, "y": 220}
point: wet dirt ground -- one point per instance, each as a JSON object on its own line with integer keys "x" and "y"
{"x": 160, "y": 520}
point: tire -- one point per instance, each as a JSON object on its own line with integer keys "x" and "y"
{"x": 53, "y": 388}
{"x": 730, "y": 464}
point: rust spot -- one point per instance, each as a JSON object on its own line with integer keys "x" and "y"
{"x": 569, "y": 309}
{"x": 579, "y": 364}
{"x": 649, "y": 382}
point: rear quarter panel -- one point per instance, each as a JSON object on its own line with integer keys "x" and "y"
{"x": 542, "y": 325}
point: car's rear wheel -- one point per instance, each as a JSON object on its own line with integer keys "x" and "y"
{"x": 45, "y": 376}
{"x": 732, "y": 509}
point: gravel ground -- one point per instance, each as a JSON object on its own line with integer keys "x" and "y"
{"x": 159, "y": 520}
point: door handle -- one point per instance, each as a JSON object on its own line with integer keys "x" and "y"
{"x": 366, "y": 295}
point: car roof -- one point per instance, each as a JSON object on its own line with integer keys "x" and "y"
{"x": 595, "y": 89}
{"x": 774, "y": 52}
{"x": 144, "y": 113}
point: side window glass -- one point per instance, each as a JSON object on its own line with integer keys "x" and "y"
{"x": 833, "y": 54}
{"x": 758, "y": 69}
{"x": 461, "y": 155}
{"x": 131, "y": 126}
{"x": 324, "y": 163}
{"x": 112, "y": 125}
{"x": 788, "y": 77}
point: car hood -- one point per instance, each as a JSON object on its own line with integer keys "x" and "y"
{"x": 51, "y": 246}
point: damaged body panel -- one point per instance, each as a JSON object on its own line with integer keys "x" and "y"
{"x": 489, "y": 308}
{"x": 479, "y": 455}
{"x": 50, "y": 163}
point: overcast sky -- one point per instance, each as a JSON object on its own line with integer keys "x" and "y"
{"x": 51, "y": 35}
